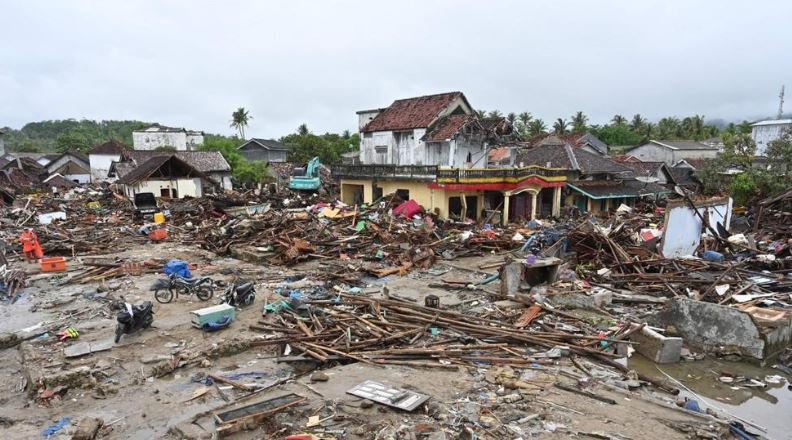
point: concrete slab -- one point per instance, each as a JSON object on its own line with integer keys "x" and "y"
{"x": 83, "y": 348}
{"x": 659, "y": 348}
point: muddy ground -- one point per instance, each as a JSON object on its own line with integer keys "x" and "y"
{"x": 134, "y": 388}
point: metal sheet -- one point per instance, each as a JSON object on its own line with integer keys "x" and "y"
{"x": 387, "y": 395}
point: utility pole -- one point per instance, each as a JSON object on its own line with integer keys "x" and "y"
{"x": 781, "y": 103}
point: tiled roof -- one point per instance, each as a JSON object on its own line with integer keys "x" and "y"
{"x": 683, "y": 145}
{"x": 110, "y": 147}
{"x": 644, "y": 168}
{"x": 567, "y": 157}
{"x": 268, "y": 144}
{"x": 412, "y": 112}
{"x": 446, "y": 128}
{"x": 608, "y": 189}
{"x": 203, "y": 161}
{"x": 146, "y": 169}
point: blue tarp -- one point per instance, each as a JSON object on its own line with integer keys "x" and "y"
{"x": 179, "y": 267}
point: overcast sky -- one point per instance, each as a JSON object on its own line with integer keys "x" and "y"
{"x": 191, "y": 63}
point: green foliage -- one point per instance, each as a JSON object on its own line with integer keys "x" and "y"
{"x": 70, "y": 141}
{"x": 243, "y": 172}
{"x": 251, "y": 172}
{"x": 617, "y": 134}
{"x": 579, "y": 122}
{"x": 536, "y": 127}
{"x": 168, "y": 148}
{"x": 329, "y": 146}
{"x": 42, "y": 136}
{"x": 743, "y": 187}
{"x": 560, "y": 126}
{"x": 779, "y": 152}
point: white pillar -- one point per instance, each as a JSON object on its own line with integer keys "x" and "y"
{"x": 505, "y": 218}
{"x": 533, "y": 205}
{"x": 557, "y": 201}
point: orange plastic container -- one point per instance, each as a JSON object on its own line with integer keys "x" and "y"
{"x": 52, "y": 264}
{"x": 158, "y": 234}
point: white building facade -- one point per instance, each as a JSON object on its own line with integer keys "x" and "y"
{"x": 158, "y": 136}
{"x": 765, "y": 132}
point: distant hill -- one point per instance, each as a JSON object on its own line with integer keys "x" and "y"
{"x": 42, "y": 136}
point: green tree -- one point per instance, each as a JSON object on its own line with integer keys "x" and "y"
{"x": 560, "y": 126}
{"x": 536, "y": 127}
{"x": 579, "y": 122}
{"x": 481, "y": 113}
{"x": 779, "y": 153}
{"x": 253, "y": 172}
{"x": 511, "y": 117}
{"x": 70, "y": 141}
{"x": 638, "y": 122}
{"x": 525, "y": 118}
{"x": 494, "y": 114}
{"x": 239, "y": 120}
{"x": 617, "y": 134}
{"x": 619, "y": 120}
{"x": 302, "y": 129}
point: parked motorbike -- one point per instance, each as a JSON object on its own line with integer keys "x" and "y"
{"x": 239, "y": 293}
{"x": 166, "y": 289}
{"x": 132, "y": 318}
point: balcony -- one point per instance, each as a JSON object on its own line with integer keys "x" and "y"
{"x": 500, "y": 175}
{"x": 447, "y": 175}
{"x": 386, "y": 172}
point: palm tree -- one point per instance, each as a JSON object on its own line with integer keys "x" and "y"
{"x": 481, "y": 113}
{"x": 560, "y": 126}
{"x": 637, "y": 122}
{"x": 536, "y": 127}
{"x": 494, "y": 114}
{"x": 524, "y": 118}
{"x": 302, "y": 129}
{"x": 511, "y": 117}
{"x": 619, "y": 120}
{"x": 579, "y": 122}
{"x": 239, "y": 120}
{"x": 345, "y": 134}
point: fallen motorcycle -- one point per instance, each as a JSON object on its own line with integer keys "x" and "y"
{"x": 239, "y": 293}
{"x": 132, "y": 318}
{"x": 166, "y": 289}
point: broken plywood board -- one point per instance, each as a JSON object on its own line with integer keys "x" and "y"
{"x": 83, "y": 348}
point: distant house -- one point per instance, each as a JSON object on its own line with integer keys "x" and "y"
{"x": 2, "y": 143}
{"x": 671, "y": 152}
{"x": 594, "y": 183}
{"x": 212, "y": 164}
{"x": 73, "y": 166}
{"x": 166, "y": 176}
{"x": 585, "y": 141}
{"x": 160, "y": 136}
{"x": 102, "y": 156}
{"x": 41, "y": 158}
{"x": 765, "y": 132}
{"x": 654, "y": 172}
{"x": 266, "y": 150}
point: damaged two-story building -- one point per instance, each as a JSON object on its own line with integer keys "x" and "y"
{"x": 434, "y": 149}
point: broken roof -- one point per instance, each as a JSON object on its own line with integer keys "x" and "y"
{"x": 446, "y": 128}
{"x": 177, "y": 168}
{"x": 578, "y": 140}
{"x": 203, "y": 161}
{"x": 110, "y": 147}
{"x": 566, "y": 157}
{"x": 613, "y": 189}
{"x": 411, "y": 113}
{"x": 165, "y": 129}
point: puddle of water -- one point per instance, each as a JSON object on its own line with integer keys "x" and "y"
{"x": 768, "y": 407}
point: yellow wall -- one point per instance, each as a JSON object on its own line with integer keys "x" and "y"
{"x": 433, "y": 200}
{"x": 347, "y": 190}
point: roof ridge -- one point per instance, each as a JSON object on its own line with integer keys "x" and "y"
{"x": 572, "y": 159}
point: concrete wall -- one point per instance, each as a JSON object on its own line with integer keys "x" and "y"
{"x": 264, "y": 155}
{"x": 79, "y": 178}
{"x": 651, "y": 152}
{"x": 763, "y": 134}
{"x": 191, "y": 187}
{"x": 365, "y": 117}
{"x": 100, "y": 165}
{"x": 223, "y": 179}
{"x": 151, "y": 140}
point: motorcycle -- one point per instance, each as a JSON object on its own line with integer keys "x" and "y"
{"x": 173, "y": 286}
{"x": 239, "y": 293}
{"x": 132, "y": 318}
